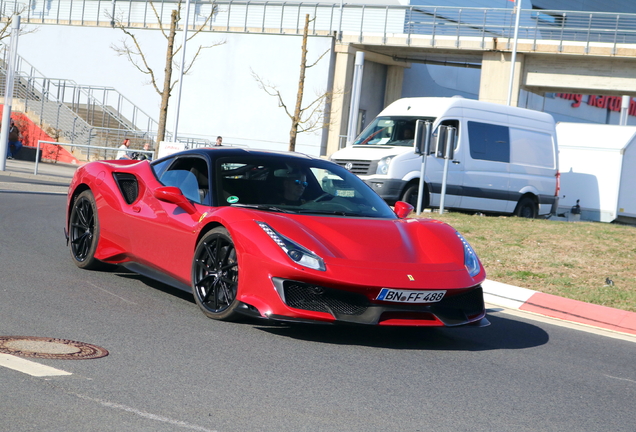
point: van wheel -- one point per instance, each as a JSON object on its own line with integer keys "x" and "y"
{"x": 526, "y": 208}
{"x": 410, "y": 195}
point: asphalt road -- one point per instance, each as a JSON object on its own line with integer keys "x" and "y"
{"x": 170, "y": 368}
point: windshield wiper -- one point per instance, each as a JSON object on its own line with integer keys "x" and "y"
{"x": 265, "y": 207}
{"x": 329, "y": 212}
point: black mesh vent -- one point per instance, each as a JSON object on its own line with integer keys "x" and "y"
{"x": 470, "y": 303}
{"x": 128, "y": 186}
{"x": 320, "y": 299}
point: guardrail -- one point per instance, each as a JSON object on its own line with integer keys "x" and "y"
{"x": 333, "y": 19}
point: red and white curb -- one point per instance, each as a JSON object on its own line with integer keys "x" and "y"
{"x": 513, "y": 297}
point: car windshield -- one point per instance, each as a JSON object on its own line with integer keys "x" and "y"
{"x": 390, "y": 131}
{"x": 296, "y": 185}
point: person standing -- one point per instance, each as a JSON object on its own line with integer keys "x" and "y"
{"x": 219, "y": 141}
{"x": 144, "y": 156}
{"x": 14, "y": 144}
{"x": 123, "y": 150}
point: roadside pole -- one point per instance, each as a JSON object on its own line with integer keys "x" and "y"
{"x": 8, "y": 91}
{"x": 449, "y": 151}
{"x": 513, "y": 58}
{"x": 422, "y": 147}
{"x": 358, "y": 70}
{"x": 181, "y": 71}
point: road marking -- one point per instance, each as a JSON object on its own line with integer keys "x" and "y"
{"x": 108, "y": 292}
{"x": 144, "y": 414}
{"x": 621, "y": 379}
{"x": 29, "y": 367}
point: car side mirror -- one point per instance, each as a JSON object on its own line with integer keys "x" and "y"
{"x": 173, "y": 194}
{"x": 403, "y": 209}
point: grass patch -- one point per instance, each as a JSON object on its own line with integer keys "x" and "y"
{"x": 586, "y": 261}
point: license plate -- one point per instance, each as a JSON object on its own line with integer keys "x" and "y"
{"x": 410, "y": 296}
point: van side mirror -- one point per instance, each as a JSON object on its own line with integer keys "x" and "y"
{"x": 422, "y": 140}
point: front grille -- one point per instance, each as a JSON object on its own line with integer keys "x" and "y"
{"x": 320, "y": 299}
{"x": 128, "y": 186}
{"x": 359, "y": 167}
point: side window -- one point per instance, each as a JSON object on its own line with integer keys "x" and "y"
{"x": 190, "y": 174}
{"x": 160, "y": 167}
{"x": 532, "y": 148}
{"x": 489, "y": 142}
{"x": 434, "y": 148}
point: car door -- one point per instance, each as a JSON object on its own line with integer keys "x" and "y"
{"x": 164, "y": 232}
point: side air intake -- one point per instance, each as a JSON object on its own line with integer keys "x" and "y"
{"x": 127, "y": 186}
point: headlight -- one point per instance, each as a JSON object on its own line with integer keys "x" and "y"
{"x": 294, "y": 251}
{"x": 383, "y": 165}
{"x": 470, "y": 257}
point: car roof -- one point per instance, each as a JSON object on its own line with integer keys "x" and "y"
{"x": 216, "y": 152}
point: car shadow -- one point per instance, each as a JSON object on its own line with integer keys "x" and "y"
{"x": 155, "y": 284}
{"x": 503, "y": 333}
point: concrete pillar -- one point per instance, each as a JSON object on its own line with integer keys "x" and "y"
{"x": 342, "y": 81}
{"x": 343, "y": 77}
{"x": 495, "y": 76}
{"x": 394, "y": 80}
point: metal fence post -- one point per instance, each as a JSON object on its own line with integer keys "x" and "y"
{"x": 615, "y": 34}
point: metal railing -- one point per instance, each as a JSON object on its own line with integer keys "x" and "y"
{"x": 77, "y": 114}
{"x": 332, "y": 19}
{"x": 105, "y": 153}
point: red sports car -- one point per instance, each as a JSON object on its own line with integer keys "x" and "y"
{"x": 279, "y": 236}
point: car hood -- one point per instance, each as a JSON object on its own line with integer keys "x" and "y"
{"x": 374, "y": 243}
{"x": 368, "y": 152}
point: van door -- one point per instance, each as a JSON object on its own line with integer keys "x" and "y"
{"x": 486, "y": 167}
{"x": 435, "y": 170}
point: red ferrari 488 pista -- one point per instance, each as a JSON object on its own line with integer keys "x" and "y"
{"x": 278, "y": 236}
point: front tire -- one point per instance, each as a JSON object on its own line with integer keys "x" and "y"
{"x": 410, "y": 195}
{"x": 84, "y": 232}
{"x": 526, "y": 208}
{"x": 215, "y": 273}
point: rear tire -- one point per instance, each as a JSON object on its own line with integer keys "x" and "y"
{"x": 84, "y": 232}
{"x": 526, "y": 208}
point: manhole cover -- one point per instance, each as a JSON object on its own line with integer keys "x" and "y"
{"x": 50, "y": 348}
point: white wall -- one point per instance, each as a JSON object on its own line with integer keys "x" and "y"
{"x": 219, "y": 97}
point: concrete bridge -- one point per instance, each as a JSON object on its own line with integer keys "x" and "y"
{"x": 592, "y": 59}
{"x": 557, "y": 51}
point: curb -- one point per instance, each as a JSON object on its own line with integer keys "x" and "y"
{"x": 53, "y": 172}
{"x": 604, "y": 317}
{"x": 41, "y": 177}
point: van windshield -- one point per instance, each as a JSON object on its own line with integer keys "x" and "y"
{"x": 390, "y": 131}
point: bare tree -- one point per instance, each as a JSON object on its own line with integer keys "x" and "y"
{"x": 7, "y": 23}
{"x": 136, "y": 56}
{"x": 310, "y": 118}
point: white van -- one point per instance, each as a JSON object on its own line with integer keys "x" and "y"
{"x": 505, "y": 159}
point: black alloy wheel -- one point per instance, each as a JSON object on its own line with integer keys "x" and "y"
{"x": 84, "y": 231}
{"x": 215, "y": 273}
{"x": 410, "y": 195}
{"x": 526, "y": 208}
